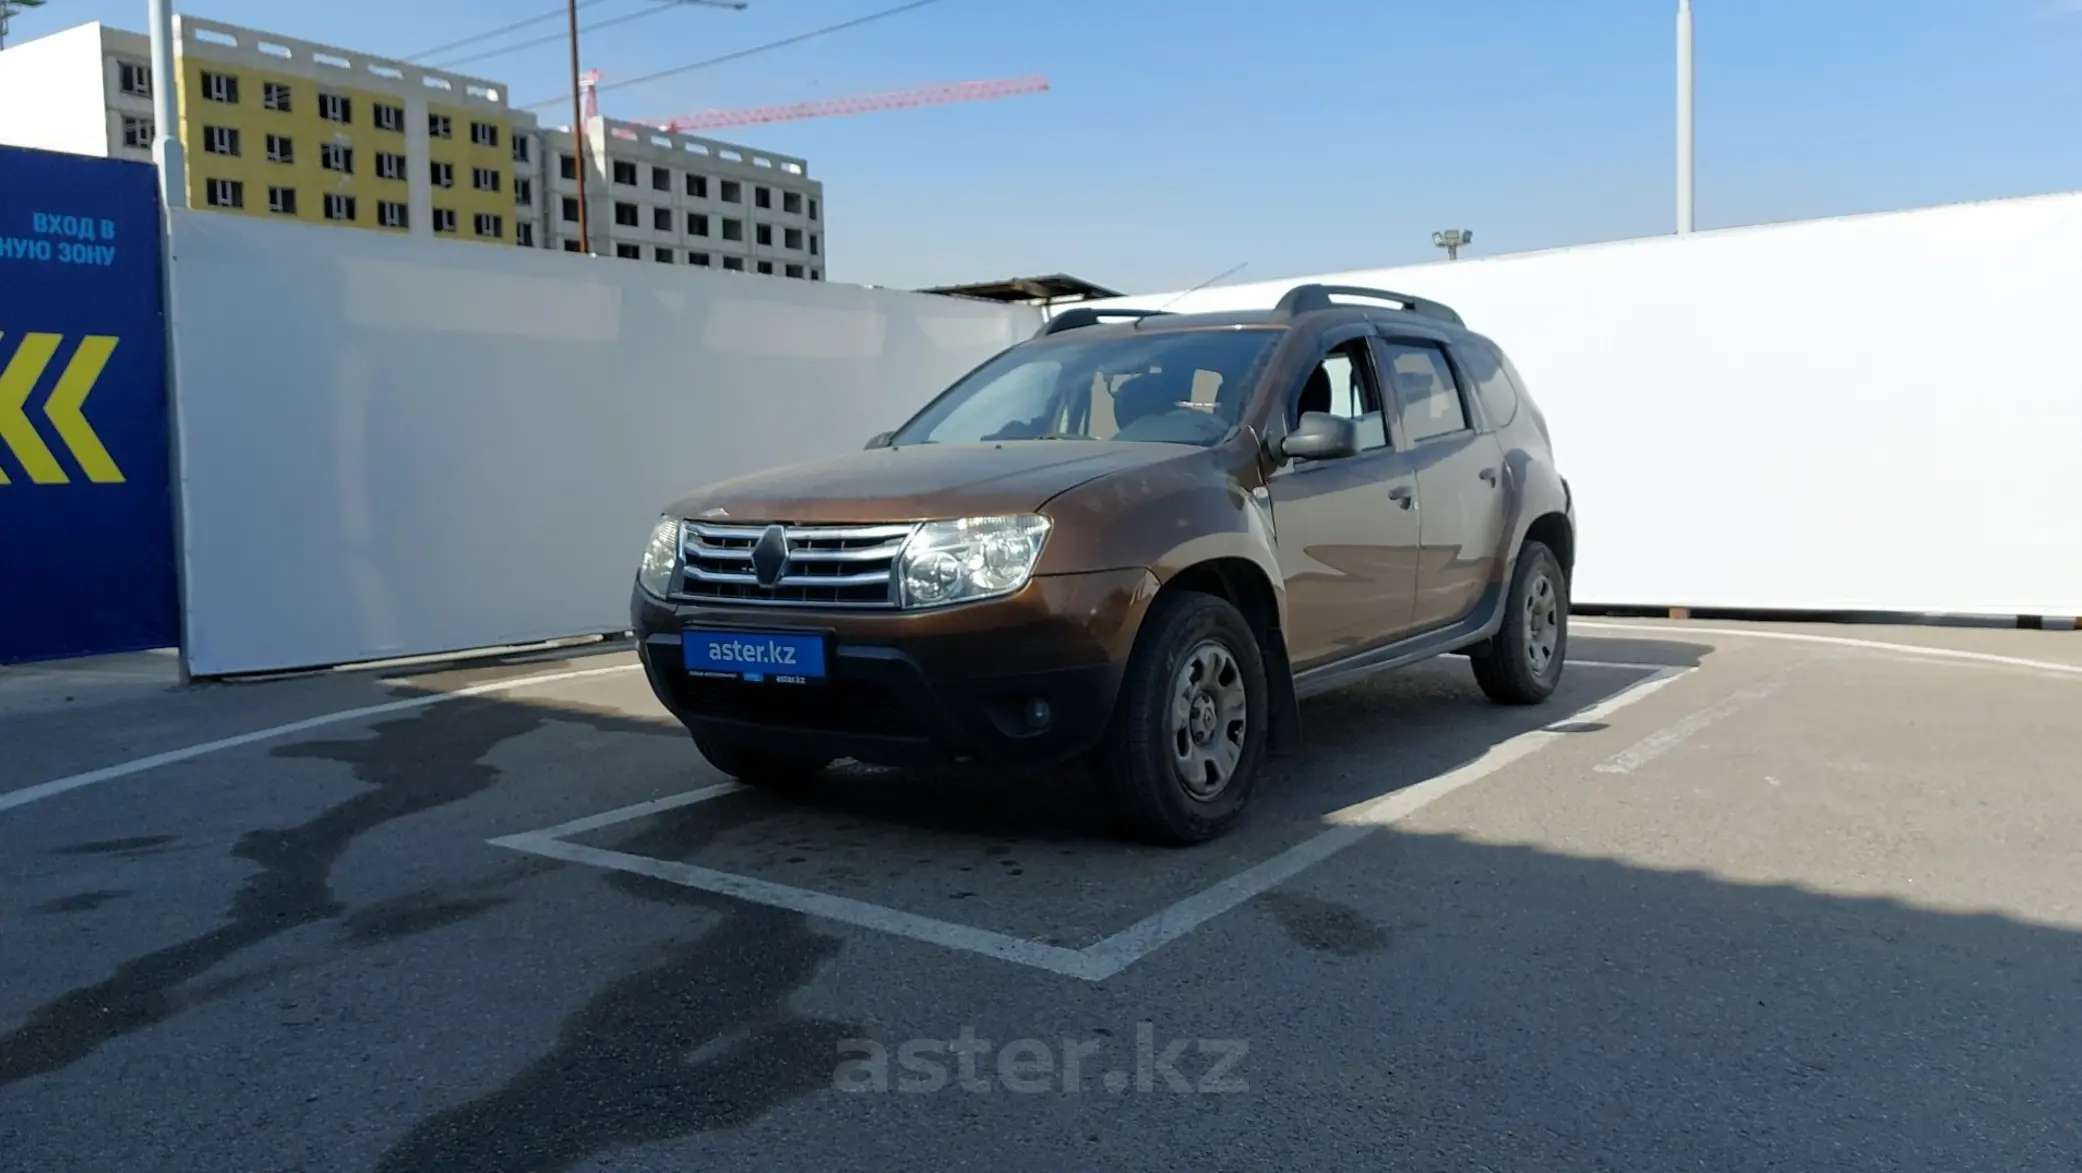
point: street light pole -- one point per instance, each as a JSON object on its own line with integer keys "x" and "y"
{"x": 581, "y": 138}
{"x": 166, "y": 109}
{"x": 1452, "y": 241}
{"x": 1684, "y": 117}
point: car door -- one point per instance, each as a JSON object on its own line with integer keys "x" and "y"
{"x": 1460, "y": 479}
{"x": 1345, "y": 529}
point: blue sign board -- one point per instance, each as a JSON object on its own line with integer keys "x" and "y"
{"x": 86, "y": 509}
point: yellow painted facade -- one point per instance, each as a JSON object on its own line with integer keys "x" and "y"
{"x": 465, "y": 156}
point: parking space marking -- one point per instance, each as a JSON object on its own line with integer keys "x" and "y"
{"x": 1834, "y": 641}
{"x": 1107, "y": 957}
{"x": 1663, "y": 740}
{"x": 57, "y": 786}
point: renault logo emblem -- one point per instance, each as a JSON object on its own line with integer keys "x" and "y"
{"x": 770, "y": 556}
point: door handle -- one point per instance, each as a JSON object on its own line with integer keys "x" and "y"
{"x": 1402, "y": 496}
{"x": 1489, "y": 474}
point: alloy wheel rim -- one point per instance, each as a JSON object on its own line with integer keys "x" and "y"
{"x": 1542, "y": 623}
{"x": 1210, "y": 717}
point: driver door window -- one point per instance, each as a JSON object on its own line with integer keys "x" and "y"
{"x": 1343, "y": 385}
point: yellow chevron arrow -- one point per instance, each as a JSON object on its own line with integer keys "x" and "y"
{"x": 19, "y": 379}
{"x": 15, "y": 430}
{"x": 64, "y": 409}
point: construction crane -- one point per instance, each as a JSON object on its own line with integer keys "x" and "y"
{"x": 967, "y": 91}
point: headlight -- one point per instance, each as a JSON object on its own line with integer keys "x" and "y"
{"x": 661, "y": 558}
{"x": 972, "y": 558}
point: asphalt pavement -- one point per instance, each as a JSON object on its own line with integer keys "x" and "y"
{"x": 1740, "y": 897}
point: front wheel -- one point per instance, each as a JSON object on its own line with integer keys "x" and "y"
{"x": 1523, "y": 665}
{"x": 757, "y": 765}
{"x": 1181, "y": 756}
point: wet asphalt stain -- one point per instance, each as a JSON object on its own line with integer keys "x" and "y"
{"x": 80, "y": 902}
{"x": 429, "y": 909}
{"x": 1324, "y": 926}
{"x": 137, "y": 845}
{"x": 411, "y": 765}
{"x": 702, "y": 1040}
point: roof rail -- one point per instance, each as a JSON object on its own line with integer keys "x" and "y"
{"x": 1306, "y": 298}
{"x": 1072, "y": 319}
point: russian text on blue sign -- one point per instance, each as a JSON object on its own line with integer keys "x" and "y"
{"x": 754, "y": 655}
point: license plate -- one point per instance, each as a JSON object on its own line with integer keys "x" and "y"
{"x": 755, "y": 655}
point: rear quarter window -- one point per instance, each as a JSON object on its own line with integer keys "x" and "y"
{"x": 1489, "y": 369}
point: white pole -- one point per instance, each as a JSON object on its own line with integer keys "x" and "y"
{"x": 166, "y": 109}
{"x": 1684, "y": 117}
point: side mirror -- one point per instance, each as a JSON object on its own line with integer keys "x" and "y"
{"x": 1321, "y": 437}
{"x": 880, "y": 440}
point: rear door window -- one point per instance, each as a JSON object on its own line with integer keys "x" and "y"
{"x": 1426, "y": 388}
{"x": 1487, "y": 367}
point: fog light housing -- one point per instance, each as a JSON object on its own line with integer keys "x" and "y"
{"x": 1039, "y": 713}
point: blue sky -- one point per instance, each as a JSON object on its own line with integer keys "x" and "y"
{"x": 1182, "y": 137}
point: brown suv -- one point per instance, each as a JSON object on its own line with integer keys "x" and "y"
{"x": 1137, "y": 538}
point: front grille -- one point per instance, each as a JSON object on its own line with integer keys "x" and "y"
{"x": 828, "y": 566}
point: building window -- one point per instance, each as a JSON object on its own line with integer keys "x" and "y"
{"x": 335, "y": 108}
{"x": 275, "y": 96}
{"x": 281, "y": 201}
{"x": 698, "y": 259}
{"x": 625, "y": 173}
{"x": 793, "y": 270}
{"x": 220, "y": 140}
{"x": 661, "y": 219}
{"x": 625, "y": 214}
{"x": 390, "y": 118}
{"x": 791, "y": 202}
{"x": 567, "y": 167}
{"x": 440, "y": 126}
{"x": 734, "y": 264}
{"x": 816, "y": 274}
{"x": 484, "y": 134}
{"x": 220, "y": 87}
{"x": 334, "y": 157}
{"x": 224, "y": 193}
{"x": 766, "y": 267}
{"x": 762, "y": 197}
{"x": 520, "y": 148}
{"x": 791, "y": 238}
{"x": 570, "y": 246}
{"x": 628, "y": 252}
{"x": 697, "y": 224}
{"x": 137, "y": 132}
{"x": 484, "y": 178}
{"x": 662, "y": 255}
{"x": 813, "y": 209}
{"x": 764, "y": 233}
{"x": 393, "y": 214}
{"x": 134, "y": 79}
{"x": 733, "y": 192}
{"x": 444, "y": 220}
{"x": 339, "y": 207}
{"x": 697, "y": 186}
{"x": 570, "y": 209}
{"x": 813, "y": 244}
{"x": 441, "y": 174}
{"x": 523, "y": 190}
{"x": 390, "y": 166}
{"x": 491, "y": 226}
{"x": 733, "y": 230}
{"x": 523, "y": 234}
{"x": 661, "y": 179}
{"x": 280, "y": 149}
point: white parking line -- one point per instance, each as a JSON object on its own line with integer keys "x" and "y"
{"x": 1680, "y": 628}
{"x": 1663, "y": 740}
{"x": 58, "y": 786}
{"x": 1105, "y": 958}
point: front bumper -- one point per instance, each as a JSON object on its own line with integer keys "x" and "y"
{"x": 949, "y": 684}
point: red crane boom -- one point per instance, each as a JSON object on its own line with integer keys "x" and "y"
{"x": 967, "y": 91}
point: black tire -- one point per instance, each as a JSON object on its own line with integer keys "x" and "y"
{"x": 757, "y": 765}
{"x": 1523, "y": 665}
{"x": 1138, "y": 761}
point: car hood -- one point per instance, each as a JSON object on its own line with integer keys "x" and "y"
{"x": 921, "y": 482}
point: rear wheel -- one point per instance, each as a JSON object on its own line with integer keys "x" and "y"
{"x": 1181, "y": 755}
{"x": 756, "y": 765}
{"x": 1523, "y": 665}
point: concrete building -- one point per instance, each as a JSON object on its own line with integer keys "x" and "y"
{"x": 274, "y": 126}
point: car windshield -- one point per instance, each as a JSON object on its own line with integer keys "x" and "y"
{"x": 1166, "y": 387}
